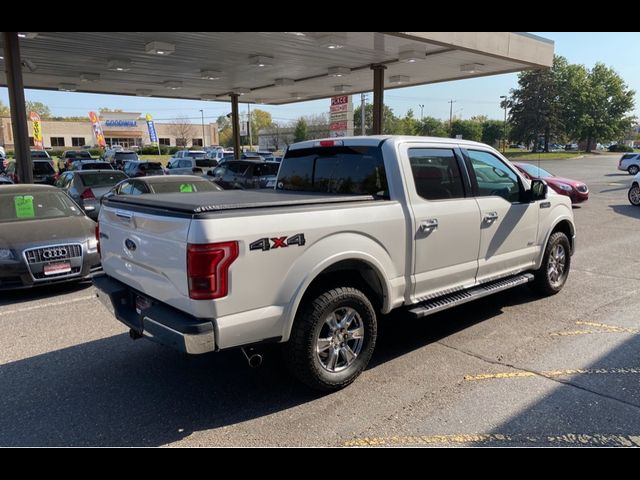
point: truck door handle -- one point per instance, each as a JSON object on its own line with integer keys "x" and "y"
{"x": 429, "y": 225}
{"x": 491, "y": 217}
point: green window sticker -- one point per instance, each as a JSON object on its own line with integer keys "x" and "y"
{"x": 24, "y": 206}
{"x": 186, "y": 188}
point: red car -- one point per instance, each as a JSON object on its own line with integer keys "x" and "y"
{"x": 577, "y": 191}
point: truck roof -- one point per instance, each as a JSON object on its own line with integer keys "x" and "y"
{"x": 375, "y": 140}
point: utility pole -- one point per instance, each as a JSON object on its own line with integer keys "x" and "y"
{"x": 421, "y": 105}
{"x": 504, "y": 134}
{"x": 249, "y": 125}
{"x": 204, "y": 142}
{"x": 451, "y": 102}
{"x": 363, "y": 112}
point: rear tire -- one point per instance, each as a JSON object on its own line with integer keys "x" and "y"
{"x": 552, "y": 274}
{"x": 633, "y": 170}
{"x": 634, "y": 195}
{"x": 332, "y": 339}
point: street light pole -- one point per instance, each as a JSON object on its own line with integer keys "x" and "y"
{"x": 504, "y": 127}
{"x": 451, "y": 102}
{"x": 204, "y": 143}
{"x": 421, "y": 110}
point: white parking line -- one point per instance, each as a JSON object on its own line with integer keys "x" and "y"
{"x": 45, "y": 305}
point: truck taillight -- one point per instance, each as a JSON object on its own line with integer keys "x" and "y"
{"x": 208, "y": 269}
{"x": 98, "y": 237}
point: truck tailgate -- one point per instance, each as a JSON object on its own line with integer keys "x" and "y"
{"x": 147, "y": 252}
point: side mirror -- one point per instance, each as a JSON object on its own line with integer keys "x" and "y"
{"x": 538, "y": 190}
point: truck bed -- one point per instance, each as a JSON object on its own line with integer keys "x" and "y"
{"x": 202, "y": 204}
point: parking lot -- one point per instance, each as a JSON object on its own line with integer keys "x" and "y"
{"x": 509, "y": 370}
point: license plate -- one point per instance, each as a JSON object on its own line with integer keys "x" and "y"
{"x": 142, "y": 304}
{"x": 57, "y": 268}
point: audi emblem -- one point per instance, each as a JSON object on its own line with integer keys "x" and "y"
{"x": 51, "y": 253}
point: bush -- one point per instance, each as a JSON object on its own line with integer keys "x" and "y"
{"x": 151, "y": 150}
{"x": 619, "y": 147}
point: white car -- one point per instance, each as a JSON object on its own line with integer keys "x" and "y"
{"x": 634, "y": 191}
{"x": 630, "y": 162}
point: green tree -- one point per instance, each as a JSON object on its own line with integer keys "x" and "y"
{"x": 536, "y": 107}
{"x": 407, "y": 124}
{"x": 492, "y": 131}
{"x": 598, "y": 104}
{"x": 38, "y": 107}
{"x": 469, "y": 129}
{"x": 391, "y": 125}
{"x": 4, "y": 110}
{"x": 432, "y": 127}
{"x": 300, "y": 131}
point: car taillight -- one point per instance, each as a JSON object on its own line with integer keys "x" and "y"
{"x": 98, "y": 237}
{"x": 88, "y": 193}
{"x": 208, "y": 269}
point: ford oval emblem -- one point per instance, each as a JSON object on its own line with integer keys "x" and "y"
{"x": 130, "y": 244}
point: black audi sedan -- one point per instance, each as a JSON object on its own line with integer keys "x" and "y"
{"x": 45, "y": 237}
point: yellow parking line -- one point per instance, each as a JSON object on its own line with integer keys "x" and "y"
{"x": 580, "y": 332}
{"x": 603, "y": 326}
{"x": 569, "y": 439}
{"x": 554, "y": 373}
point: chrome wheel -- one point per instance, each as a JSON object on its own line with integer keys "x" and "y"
{"x": 340, "y": 339}
{"x": 556, "y": 265}
{"x": 634, "y": 195}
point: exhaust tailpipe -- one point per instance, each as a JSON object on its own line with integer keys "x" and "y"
{"x": 254, "y": 359}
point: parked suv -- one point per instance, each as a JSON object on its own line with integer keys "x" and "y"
{"x": 188, "y": 165}
{"x": 120, "y": 156}
{"x": 246, "y": 174}
{"x": 69, "y": 156}
{"x": 43, "y": 172}
{"x": 630, "y": 162}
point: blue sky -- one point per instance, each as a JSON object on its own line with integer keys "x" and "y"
{"x": 480, "y": 96}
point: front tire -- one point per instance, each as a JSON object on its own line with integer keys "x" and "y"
{"x": 633, "y": 170}
{"x": 634, "y": 195}
{"x": 332, "y": 339}
{"x": 552, "y": 274}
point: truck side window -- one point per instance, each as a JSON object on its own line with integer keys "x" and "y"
{"x": 494, "y": 177}
{"x": 436, "y": 173}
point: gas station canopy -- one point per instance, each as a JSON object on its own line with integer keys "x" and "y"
{"x": 266, "y": 67}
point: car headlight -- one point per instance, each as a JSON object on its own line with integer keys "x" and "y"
{"x": 565, "y": 187}
{"x": 6, "y": 254}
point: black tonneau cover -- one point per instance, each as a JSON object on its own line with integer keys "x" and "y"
{"x": 207, "y": 202}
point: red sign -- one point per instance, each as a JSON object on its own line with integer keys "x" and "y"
{"x": 338, "y": 125}
{"x": 341, "y": 100}
{"x": 339, "y": 108}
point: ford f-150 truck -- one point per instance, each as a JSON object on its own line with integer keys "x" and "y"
{"x": 355, "y": 228}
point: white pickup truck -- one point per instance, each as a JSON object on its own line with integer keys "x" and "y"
{"x": 355, "y": 228}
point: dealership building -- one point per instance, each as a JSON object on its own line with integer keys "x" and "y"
{"x": 128, "y": 129}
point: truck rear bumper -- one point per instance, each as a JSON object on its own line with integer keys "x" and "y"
{"x": 158, "y": 322}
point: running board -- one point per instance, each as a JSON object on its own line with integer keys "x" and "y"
{"x": 454, "y": 299}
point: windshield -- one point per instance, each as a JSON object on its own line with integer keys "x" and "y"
{"x": 43, "y": 168}
{"x": 535, "y": 172}
{"x": 197, "y": 154}
{"x": 102, "y": 179}
{"x": 37, "y": 205}
{"x": 356, "y": 170}
{"x": 96, "y": 166}
{"x": 126, "y": 156}
{"x": 185, "y": 187}
{"x": 39, "y": 154}
{"x": 206, "y": 163}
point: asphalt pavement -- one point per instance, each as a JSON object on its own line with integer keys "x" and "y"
{"x": 508, "y": 370}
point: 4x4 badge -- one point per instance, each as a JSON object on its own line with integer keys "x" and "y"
{"x": 272, "y": 243}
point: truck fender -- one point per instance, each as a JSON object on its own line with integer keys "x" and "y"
{"x": 559, "y": 215}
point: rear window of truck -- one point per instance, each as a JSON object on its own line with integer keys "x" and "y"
{"x": 341, "y": 169}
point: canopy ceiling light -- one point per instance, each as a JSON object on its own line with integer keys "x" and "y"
{"x": 297, "y": 95}
{"x": 172, "y": 84}
{"x": 472, "y": 67}
{"x": 119, "y": 64}
{"x": 399, "y": 79}
{"x": 28, "y": 35}
{"x": 261, "y": 60}
{"x": 332, "y": 42}
{"x": 342, "y": 88}
{"x": 89, "y": 77}
{"x": 208, "y": 96}
{"x": 241, "y": 91}
{"x": 29, "y": 65}
{"x": 284, "y": 82}
{"x": 67, "y": 87}
{"x": 210, "y": 74}
{"x": 143, "y": 92}
{"x": 339, "y": 71}
{"x": 411, "y": 55}
{"x": 160, "y": 48}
